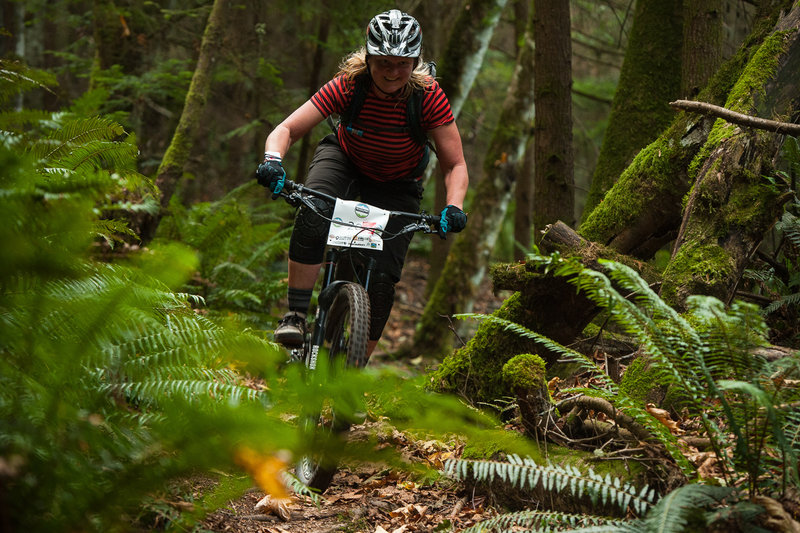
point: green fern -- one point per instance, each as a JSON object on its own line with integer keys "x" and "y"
{"x": 524, "y": 472}
{"x": 544, "y": 521}
{"x": 16, "y": 78}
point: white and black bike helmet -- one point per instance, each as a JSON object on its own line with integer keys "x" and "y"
{"x": 394, "y": 33}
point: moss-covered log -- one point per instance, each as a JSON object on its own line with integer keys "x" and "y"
{"x": 733, "y": 202}
{"x": 548, "y": 305}
{"x": 642, "y": 211}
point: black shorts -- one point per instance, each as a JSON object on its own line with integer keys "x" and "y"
{"x": 333, "y": 173}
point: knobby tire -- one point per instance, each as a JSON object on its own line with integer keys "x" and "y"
{"x": 346, "y": 337}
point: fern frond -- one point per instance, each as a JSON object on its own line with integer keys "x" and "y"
{"x": 71, "y": 133}
{"x": 585, "y": 363}
{"x": 541, "y": 521}
{"x": 17, "y": 78}
{"x": 555, "y": 478}
{"x": 112, "y": 230}
{"x": 154, "y": 391}
{"x": 671, "y": 513}
{"x": 790, "y": 226}
{"x": 788, "y": 300}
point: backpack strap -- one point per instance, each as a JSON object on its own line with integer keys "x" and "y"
{"x": 350, "y": 114}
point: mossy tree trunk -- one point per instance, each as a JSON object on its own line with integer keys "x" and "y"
{"x": 457, "y": 70}
{"x": 650, "y": 78}
{"x": 172, "y": 165}
{"x": 732, "y": 203}
{"x": 642, "y": 211}
{"x": 553, "y": 178}
{"x": 467, "y": 261}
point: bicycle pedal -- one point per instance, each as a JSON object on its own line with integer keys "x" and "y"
{"x": 296, "y": 355}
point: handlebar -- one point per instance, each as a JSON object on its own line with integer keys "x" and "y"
{"x": 297, "y": 193}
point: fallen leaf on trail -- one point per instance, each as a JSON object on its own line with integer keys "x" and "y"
{"x": 407, "y": 485}
{"x": 662, "y": 415}
{"x": 379, "y": 529}
{"x": 276, "y": 506}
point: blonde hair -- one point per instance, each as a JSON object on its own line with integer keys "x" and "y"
{"x": 356, "y": 64}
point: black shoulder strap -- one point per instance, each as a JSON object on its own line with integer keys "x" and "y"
{"x": 414, "y": 116}
{"x": 414, "y": 112}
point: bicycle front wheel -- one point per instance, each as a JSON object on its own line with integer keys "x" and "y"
{"x": 347, "y": 331}
{"x": 346, "y": 337}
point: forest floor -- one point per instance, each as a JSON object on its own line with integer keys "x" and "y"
{"x": 372, "y": 497}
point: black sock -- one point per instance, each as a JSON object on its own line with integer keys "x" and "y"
{"x": 299, "y": 300}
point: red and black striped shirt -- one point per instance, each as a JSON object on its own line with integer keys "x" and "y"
{"x": 385, "y": 151}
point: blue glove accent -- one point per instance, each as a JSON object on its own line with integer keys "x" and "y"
{"x": 453, "y": 219}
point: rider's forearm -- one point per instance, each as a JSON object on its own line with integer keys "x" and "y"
{"x": 279, "y": 140}
{"x": 456, "y": 181}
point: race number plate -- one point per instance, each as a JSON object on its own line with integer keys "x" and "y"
{"x": 359, "y": 225}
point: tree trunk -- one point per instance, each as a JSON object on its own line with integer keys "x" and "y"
{"x": 649, "y": 79}
{"x": 172, "y": 165}
{"x": 703, "y": 38}
{"x": 642, "y": 211}
{"x": 457, "y": 71}
{"x": 553, "y": 186}
{"x": 732, "y": 205}
{"x": 467, "y": 262}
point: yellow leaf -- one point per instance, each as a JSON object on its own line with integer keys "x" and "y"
{"x": 266, "y": 470}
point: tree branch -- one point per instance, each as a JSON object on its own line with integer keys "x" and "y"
{"x": 737, "y": 118}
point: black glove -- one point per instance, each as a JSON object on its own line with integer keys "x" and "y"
{"x": 270, "y": 173}
{"x": 453, "y": 219}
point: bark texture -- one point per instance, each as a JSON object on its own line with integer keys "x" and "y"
{"x": 554, "y": 187}
{"x": 649, "y": 79}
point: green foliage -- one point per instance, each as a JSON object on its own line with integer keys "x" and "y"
{"x": 519, "y": 472}
{"x": 607, "y": 389}
{"x": 743, "y": 401}
{"x": 241, "y": 240}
